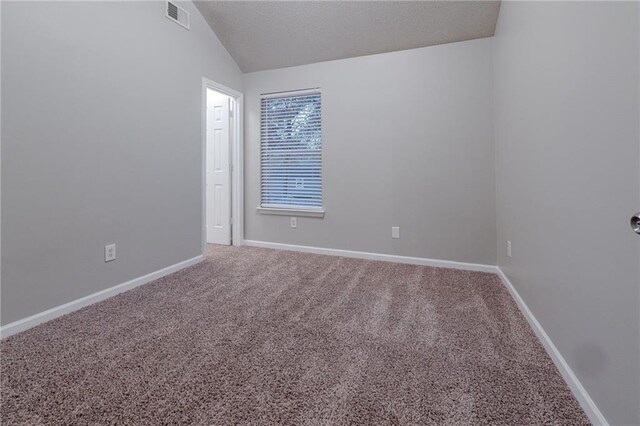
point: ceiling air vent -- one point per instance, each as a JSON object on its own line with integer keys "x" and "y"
{"x": 178, "y": 14}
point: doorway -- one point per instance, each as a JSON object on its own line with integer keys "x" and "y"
{"x": 222, "y": 142}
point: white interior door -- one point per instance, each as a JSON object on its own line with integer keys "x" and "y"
{"x": 218, "y": 174}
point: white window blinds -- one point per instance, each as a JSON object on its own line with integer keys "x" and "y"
{"x": 291, "y": 150}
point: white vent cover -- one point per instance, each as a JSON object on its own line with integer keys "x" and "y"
{"x": 177, "y": 14}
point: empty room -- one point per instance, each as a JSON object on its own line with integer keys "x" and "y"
{"x": 320, "y": 213}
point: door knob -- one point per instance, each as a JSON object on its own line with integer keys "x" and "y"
{"x": 635, "y": 223}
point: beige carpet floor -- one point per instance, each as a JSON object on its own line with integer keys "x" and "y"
{"x": 257, "y": 336}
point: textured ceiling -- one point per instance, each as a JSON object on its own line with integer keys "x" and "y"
{"x": 264, "y": 35}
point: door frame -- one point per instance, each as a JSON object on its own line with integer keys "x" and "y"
{"x": 236, "y": 163}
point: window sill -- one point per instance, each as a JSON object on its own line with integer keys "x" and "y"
{"x": 291, "y": 212}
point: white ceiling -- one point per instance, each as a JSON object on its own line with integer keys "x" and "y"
{"x": 264, "y": 35}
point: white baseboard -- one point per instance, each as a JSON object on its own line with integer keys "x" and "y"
{"x": 41, "y": 317}
{"x": 375, "y": 256}
{"x": 585, "y": 401}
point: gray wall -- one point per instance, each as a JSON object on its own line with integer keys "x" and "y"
{"x": 566, "y": 96}
{"x": 407, "y": 141}
{"x": 101, "y": 114}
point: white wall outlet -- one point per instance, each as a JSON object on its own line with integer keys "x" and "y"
{"x": 109, "y": 252}
{"x": 509, "y": 248}
{"x": 294, "y": 222}
{"x": 395, "y": 232}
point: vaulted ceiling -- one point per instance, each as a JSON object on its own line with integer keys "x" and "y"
{"x": 264, "y": 35}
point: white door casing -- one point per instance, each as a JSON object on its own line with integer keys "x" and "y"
{"x": 218, "y": 184}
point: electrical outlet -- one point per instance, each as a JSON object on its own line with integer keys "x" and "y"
{"x": 294, "y": 222}
{"x": 109, "y": 252}
{"x": 395, "y": 232}
{"x": 509, "y": 248}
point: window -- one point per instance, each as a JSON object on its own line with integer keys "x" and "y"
{"x": 291, "y": 153}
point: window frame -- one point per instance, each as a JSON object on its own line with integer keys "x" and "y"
{"x": 292, "y": 210}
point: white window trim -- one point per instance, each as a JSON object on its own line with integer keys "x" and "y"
{"x": 288, "y": 93}
{"x": 287, "y": 210}
{"x": 291, "y": 211}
